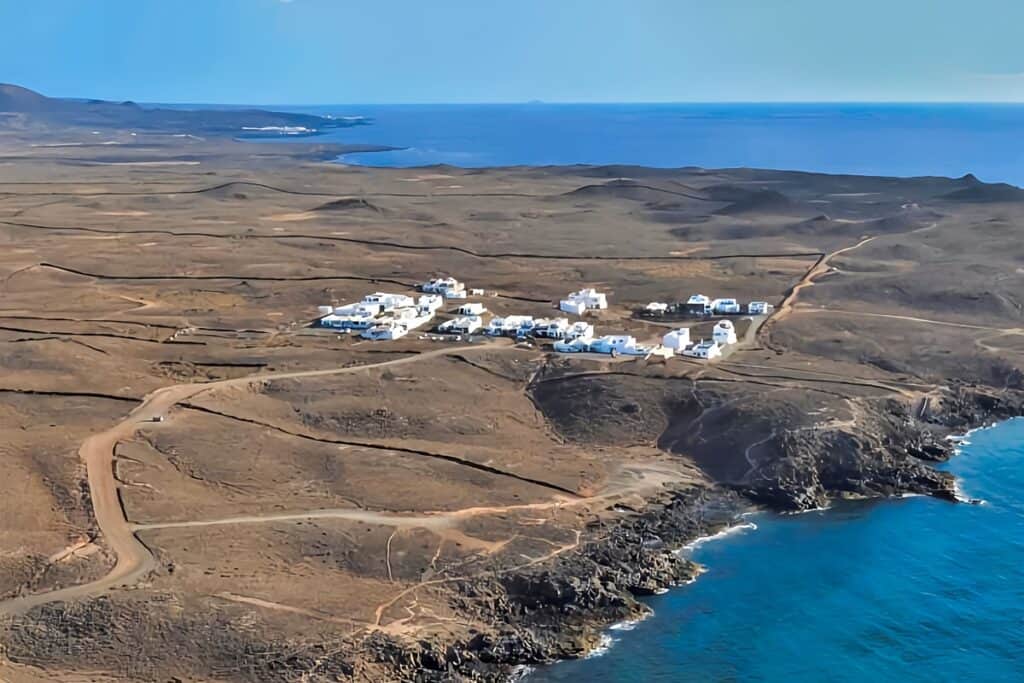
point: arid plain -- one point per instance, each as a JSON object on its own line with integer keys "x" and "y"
{"x": 321, "y": 507}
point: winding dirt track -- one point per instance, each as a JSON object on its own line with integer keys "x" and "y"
{"x": 134, "y": 560}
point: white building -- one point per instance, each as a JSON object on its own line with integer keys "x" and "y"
{"x": 477, "y": 292}
{"x": 471, "y": 309}
{"x": 725, "y": 306}
{"x": 430, "y": 302}
{"x": 578, "y": 345}
{"x": 464, "y": 325}
{"x": 448, "y": 287}
{"x": 578, "y": 302}
{"x": 556, "y": 328}
{"x": 387, "y": 302}
{"x": 677, "y": 340}
{"x": 615, "y": 344}
{"x": 411, "y": 318}
{"x": 385, "y": 331}
{"x": 580, "y": 330}
{"x": 510, "y": 326}
{"x": 708, "y": 350}
{"x": 698, "y": 303}
{"x": 724, "y": 333}
{"x": 656, "y": 308}
{"x": 759, "y": 308}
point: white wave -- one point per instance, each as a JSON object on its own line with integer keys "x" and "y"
{"x": 280, "y": 129}
{"x": 727, "y": 531}
{"x": 603, "y": 645}
{"x": 520, "y": 672}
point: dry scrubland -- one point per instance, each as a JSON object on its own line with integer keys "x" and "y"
{"x": 449, "y": 508}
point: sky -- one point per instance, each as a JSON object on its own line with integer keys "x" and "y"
{"x": 418, "y": 51}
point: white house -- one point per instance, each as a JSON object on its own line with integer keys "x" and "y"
{"x": 615, "y": 344}
{"x": 471, "y": 309}
{"x": 578, "y": 302}
{"x": 580, "y": 330}
{"x": 656, "y": 308}
{"x": 759, "y": 308}
{"x": 725, "y": 306}
{"x": 440, "y": 285}
{"x": 411, "y": 318}
{"x": 385, "y": 331}
{"x": 724, "y": 333}
{"x": 708, "y": 350}
{"x": 464, "y": 325}
{"x": 677, "y": 340}
{"x": 578, "y": 345}
{"x": 698, "y": 303}
{"x": 572, "y": 306}
{"x": 510, "y": 326}
{"x": 555, "y": 328}
{"x": 477, "y": 292}
{"x": 430, "y": 302}
{"x": 388, "y": 302}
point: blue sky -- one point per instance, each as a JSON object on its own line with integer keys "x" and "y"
{"x": 368, "y": 51}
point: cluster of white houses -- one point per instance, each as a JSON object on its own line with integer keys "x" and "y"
{"x": 385, "y": 316}
{"x": 701, "y": 306}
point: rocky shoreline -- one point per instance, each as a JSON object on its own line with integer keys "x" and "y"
{"x": 561, "y": 610}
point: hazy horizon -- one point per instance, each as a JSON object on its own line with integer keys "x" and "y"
{"x": 297, "y": 52}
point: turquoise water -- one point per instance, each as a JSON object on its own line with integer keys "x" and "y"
{"x": 874, "y": 139}
{"x": 906, "y": 590}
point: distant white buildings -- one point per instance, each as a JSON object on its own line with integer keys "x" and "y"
{"x": 725, "y": 306}
{"x": 615, "y": 345}
{"x": 511, "y": 326}
{"x": 585, "y": 299}
{"x": 759, "y": 308}
{"x": 464, "y": 325}
{"x": 381, "y": 315}
{"x": 448, "y": 287}
{"x": 698, "y": 304}
{"x": 430, "y": 302}
{"x": 707, "y": 350}
{"x": 677, "y": 340}
{"x": 385, "y": 331}
{"x": 724, "y": 333}
{"x": 554, "y": 328}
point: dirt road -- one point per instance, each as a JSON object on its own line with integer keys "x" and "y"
{"x": 134, "y": 560}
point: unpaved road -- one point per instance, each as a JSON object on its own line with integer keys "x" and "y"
{"x": 134, "y": 560}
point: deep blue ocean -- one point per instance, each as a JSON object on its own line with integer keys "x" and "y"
{"x": 913, "y": 589}
{"x": 874, "y": 139}
{"x": 905, "y": 590}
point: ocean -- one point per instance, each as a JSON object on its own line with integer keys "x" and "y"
{"x": 911, "y": 589}
{"x": 874, "y": 139}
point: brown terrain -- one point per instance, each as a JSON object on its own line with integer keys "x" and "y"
{"x": 316, "y": 507}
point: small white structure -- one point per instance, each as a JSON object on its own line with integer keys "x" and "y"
{"x": 759, "y": 308}
{"x": 510, "y": 326}
{"x": 570, "y": 306}
{"x": 698, "y": 303}
{"x": 430, "y": 302}
{"x": 656, "y": 308}
{"x": 677, "y": 340}
{"x": 411, "y": 318}
{"x": 448, "y": 287}
{"x": 556, "y": 328}
{"x": 578, "y": 302}
{"x": 477, "y": 292}
{"x": 578, "y": 345}
{"x": 615, "y": 344}
{"x": 471, "y": 309}
{"x": 385, "y": 331}
{"x": 725, "y": 306}
{"x": 724, "y": 333}
{"x": 387, "y": 302}
{"x": 708, "y": 350}
{"x": 464, "y": 325}
{"x": 580, "y": 330}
